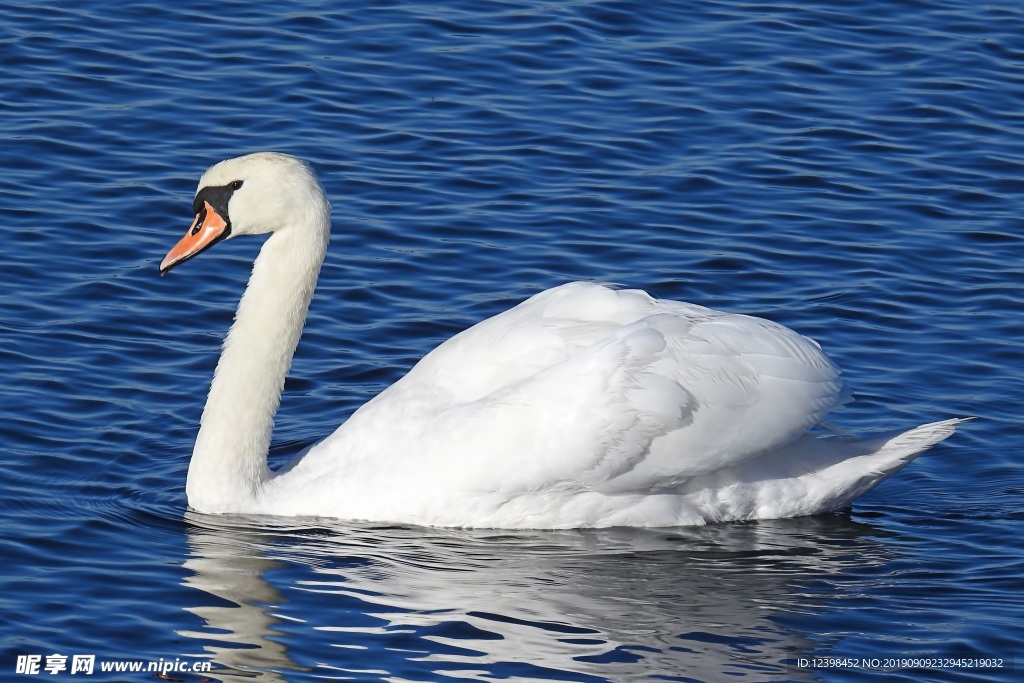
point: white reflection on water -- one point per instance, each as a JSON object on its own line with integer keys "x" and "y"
{"x": 618, "y": 604}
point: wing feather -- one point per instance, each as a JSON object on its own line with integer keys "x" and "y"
{"x": 589, "y": 387}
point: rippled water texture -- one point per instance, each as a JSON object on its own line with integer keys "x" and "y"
{"x": 853, "y": 170}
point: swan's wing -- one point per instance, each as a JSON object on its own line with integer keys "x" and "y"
{"x": 756, "y": 386}
{"x": 586, "y": 386}
{"x": 578, "y": 423}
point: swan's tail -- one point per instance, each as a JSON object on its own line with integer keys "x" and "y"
{"x": 815, "y": 475}
{"x": 914, "y": 441}
{"x": 879, "y": 458}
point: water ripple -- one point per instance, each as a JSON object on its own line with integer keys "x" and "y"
{"x": 855, "y": 173}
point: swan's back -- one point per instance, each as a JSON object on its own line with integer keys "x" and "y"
{"x": 580, "y": 391}
{"x": 721, "y": 387}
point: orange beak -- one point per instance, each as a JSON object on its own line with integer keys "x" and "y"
{"x": 207, "y": 229}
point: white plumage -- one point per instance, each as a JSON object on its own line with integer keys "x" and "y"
{"x": 582, "y": 406}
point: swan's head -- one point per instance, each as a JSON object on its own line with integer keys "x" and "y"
{"x": 249, "y": 195}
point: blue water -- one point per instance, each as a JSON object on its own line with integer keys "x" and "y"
{"x": 853, "y": 170}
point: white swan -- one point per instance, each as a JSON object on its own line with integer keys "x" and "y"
{"x": 580, "y": 407}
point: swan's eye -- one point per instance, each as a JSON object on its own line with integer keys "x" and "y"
{"x": 237, "y": 185}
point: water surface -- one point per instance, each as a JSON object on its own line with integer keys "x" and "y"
{"x": 855, "y": 172}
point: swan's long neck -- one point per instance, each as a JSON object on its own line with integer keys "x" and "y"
{"x": 229, "y": 463}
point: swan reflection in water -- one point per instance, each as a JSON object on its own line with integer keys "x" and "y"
{"x": 341, "y": 600}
